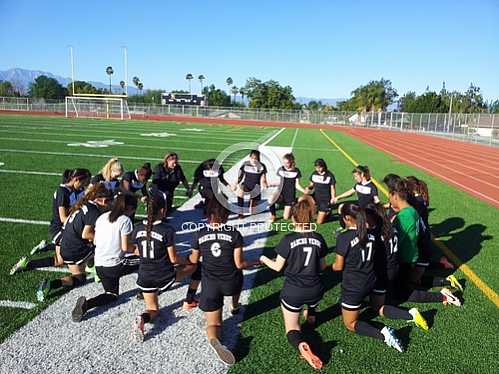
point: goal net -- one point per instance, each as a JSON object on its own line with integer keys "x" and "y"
{"x": 97, "y": 107}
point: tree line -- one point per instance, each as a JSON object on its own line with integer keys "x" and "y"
{"x": 376, "y": 95}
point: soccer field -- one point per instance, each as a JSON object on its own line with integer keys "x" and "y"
{"x": 35, "y": 150}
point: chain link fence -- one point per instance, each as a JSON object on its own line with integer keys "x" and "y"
{"x": 474, "y": 127}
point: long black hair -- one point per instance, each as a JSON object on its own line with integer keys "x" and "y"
{"x": 359, "y": 214}
{"x": 78, "y": 173}
{"x": 122, "y": 201}
{"x": 155, "y": 202}
{"x": 216, "y": 212}
{"x": 377, "y": 214}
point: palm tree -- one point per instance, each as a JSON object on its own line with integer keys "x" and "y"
{"x": 136, "y": 81}
{"x": 201, "y": 79}
{"x": 229, "y": 82}
{"x": 122, "y": 84}
{"x": 110, "y": 71}
{"x": 140, "y": 86}
{"x": 189, "y": 77}
{"x": 242, "y": 91}
{"x": 234, "y": 91}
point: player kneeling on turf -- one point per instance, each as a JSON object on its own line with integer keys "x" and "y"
{"x": 303, "y": 252}
{"x": 77, "y": 239}
{"x": 221, "y": 247}
{"x": 155, "y": 241}
{"x": 112, "y": 233}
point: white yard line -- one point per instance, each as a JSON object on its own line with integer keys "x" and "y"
{"x": 17, "y": 304}
{"x": 9, "y": 150}
{"x": 24, "y": 221}
{"x": 29, "y": 172}
{"x": 294, "y": 137}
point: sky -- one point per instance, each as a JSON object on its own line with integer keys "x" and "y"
{"x": 323, "y": 49}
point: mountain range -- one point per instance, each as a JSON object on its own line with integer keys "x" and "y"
{"x": 22, "y": 78}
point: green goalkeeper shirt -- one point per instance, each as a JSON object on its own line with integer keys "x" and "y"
{"x": 407, "y": 227}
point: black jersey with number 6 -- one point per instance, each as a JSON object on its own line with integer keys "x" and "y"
{"x": 358, "y": 270}
{"x": 154, "y": 255}
{"x": 216, "y": 246}
{"x": 72, "y": 243}
{"x": 303, "y": 252}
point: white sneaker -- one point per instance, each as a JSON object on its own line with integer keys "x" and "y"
{"x": 450, "y": 298}
{"x": 391, "y": 339}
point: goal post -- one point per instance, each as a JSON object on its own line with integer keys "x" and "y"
{"x": 97, "y": 106}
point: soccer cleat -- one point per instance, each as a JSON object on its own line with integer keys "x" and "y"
{"x": 137, "y": 334}
{"x": 190, "y": 305}
{"x": 92, "y": 271}
{"x": 391, "y": 339}
{"x": 449, "y": 297}
{"x": 222, "y": 352}
{"x": 38, "y": 247}
{"x": 454, "y": 282}
{"x": 19, "y": 266}
{"x": 418, "y": 319}
{"x": 309, "y": 356}
{"x": 43, "y": 290}
{"x": 79, "y": 309}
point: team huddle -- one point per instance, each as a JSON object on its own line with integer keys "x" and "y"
{"x": 382, "y": 250}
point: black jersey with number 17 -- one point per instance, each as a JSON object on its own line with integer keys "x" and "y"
{"x": 217, "y": 245}
{"x": 358, "y": 270}
{"x": 303, "y": 252}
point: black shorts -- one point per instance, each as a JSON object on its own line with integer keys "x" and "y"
{"x": 424, "y": 255}
{"x": 55, "y": 235}
{"x": 352, "y": 299}
{"x": 248, "y": 189}
{"x": 78, "y": 258}
{"x": 293, "y": 298}
{"x": 214, "y": 290}
{"x": 286, "y": 199}
{"x": 155, "y": 281}
{"x": 110, "y": 276}
{"x": 323, "y": 205}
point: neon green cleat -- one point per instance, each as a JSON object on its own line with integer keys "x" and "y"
{"x": 43, "y": 290}
{"x": 92, "y": 271}
{"x": 454, "y": 282}
{"x": 418, "y": 319}
{"x": 19, "y": 266}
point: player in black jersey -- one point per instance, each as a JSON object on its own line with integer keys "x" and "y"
{"x": 356, "y": 248}
{"x": 251, "y": 179}
{"x": 167, "y": 176}
{"x": 323, "y": 183}
{"x": 290, "y": 176}
{"x": 302, "y": 255}
{"x": 77, "y": 238}
{"x": 109, "y": 175}
{"x": 157, "y": 272}
{"x": 221, "y": 248}
{"x": 136, "y": 180}
{"x": 364, "y": 187}
{"x": 207, "y": 175}
{"x": 64, "y": 197}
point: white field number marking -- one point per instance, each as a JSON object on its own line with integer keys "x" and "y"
{"x": 159, "y": 134}
{"x": 96, "y": 143}
{"x": 193, "y": 129}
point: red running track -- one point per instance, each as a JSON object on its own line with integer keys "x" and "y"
{"x": 473, "y": 168}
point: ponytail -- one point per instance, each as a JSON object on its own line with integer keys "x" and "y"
{"x": 216, "y": 212}
{"x": 359, "y": 214}
{"x": 122, "y": 201}
{"x": 303, "y": 211}
{"x": 362, "y": 170}
{"x": 155, "y": 201}
{"x": 419, "y": 187}
{"x": 378, "y": 213}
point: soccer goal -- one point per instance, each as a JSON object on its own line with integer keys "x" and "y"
{"x": 103, "y": 106}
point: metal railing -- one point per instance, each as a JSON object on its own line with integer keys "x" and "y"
{"x": 475, "y": 127}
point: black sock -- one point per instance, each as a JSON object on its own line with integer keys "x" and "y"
{"x": 419, "y": 296}
{"x": 272, "y": 209}
{"x": 294, "y": 338}
{"x": 393, "y": 312}
{"x": 48, "y": 247}
{"x": 240, "y": 201}
{"x": 146, "y": 317}
{"x": 440, "y": 282}
{"x": 55, "y": 284}
{"x": 40, "y": 263}
{"x": 311, "y": 312}
{"x": 102, "y": 299}
{"x": 365, "y": 329}
{"x": 191, "y": 292}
